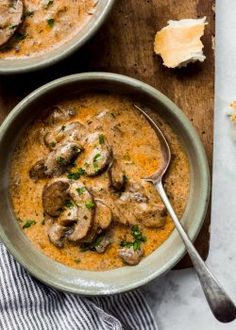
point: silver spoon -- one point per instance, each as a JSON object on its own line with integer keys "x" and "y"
{"x": 221, "y": 305}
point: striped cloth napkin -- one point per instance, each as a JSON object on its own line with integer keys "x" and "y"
{"x": 27, "y": 304}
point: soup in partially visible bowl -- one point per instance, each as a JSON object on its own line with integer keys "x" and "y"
{"x": 32, "y": 27}
{"x": 37, "y": 33}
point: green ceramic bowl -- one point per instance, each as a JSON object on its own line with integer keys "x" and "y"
{"x": 13, "y": 66}
{"x": 117, "y": 280}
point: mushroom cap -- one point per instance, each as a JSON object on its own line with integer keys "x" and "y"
{"x": 130, "y": 256}
{"x": 98, "y": 154}
{"x": 85, "y": 210}
{"x": 11, "y": 14}
{"x": 54, "y": 197}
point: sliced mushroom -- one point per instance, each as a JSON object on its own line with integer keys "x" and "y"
{"x": 37, "y": 171}
{"x": 85, "y": 210}
{"x": 99, "y": 154}
{"x": 99, "y": 189}
{"x": 58, "y": 160}
{"x": 69, "y": 215}
{"x": 135, "y": 196}
{"x": 54, "y": 197}
{"x": 103, "y": 216}
{"x": 102, "y": 119}
{"x": 130, "y": 256}
{"x": 11, "y": 13}
{"x": 152, "y": 213}
{"x": 140, "y": 203}
{"x": 153, "y": 216}
{"x": 56, "y": 234}
{"x": 78, "y": 212}
{"x": 59, "y": 114}
{"x": 72, "y": 131}
{"x": 92, "y": 234}
{"x": 117, "y": 177}
{"x": 102, "y": 220}
{"x": 104, "y": 243}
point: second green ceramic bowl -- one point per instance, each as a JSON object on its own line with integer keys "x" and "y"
{"x": 152, "y": 266}
{"x": 23, "y": 65}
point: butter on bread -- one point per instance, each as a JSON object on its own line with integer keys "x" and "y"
{"x": 179, "y": 43}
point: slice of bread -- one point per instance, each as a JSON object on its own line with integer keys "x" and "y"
{"x": 179, "y": 42}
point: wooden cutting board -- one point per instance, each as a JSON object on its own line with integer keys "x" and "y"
{"x": 125, "y": 45}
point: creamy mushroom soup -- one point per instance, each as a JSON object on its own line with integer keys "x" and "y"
{"x": 77, "y": 184}
{"x": 33, "y": 27}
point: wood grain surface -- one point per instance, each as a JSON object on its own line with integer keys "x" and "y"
{"x": 125, "y": 45}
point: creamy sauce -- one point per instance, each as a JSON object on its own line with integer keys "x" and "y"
{"x": 46, "y": 25}
{"x": 134, "y": 142}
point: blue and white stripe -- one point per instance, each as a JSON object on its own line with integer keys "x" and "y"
{"x": 27, "y": 304}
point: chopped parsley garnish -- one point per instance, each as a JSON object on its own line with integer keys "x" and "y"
{"x": 125, "y": 178}
{"x": 90, "y": 205}
{"x": 43, "y": 222}
{"x": 138, "y": 239}
{"x": 49, "y": 3}
{"x": 91, "y": 246}
{"x": 69, "y": 203}
{"x": 29, "y": 223}
{"x": 80, "y": 190}
{"x": 20, "y": 36}
{"x": 84, "y": 247}
{"x": 136, "y": 245}
{"x": 137, "y": 234}
{"x": 52, "y": 144}
{"x": 61, "y": 161}
{"x": 76, "y": 149}
{"x": 63, "y": 127}
{"x": 97, "y": 241}
{"x": 101, "y": 139}
{"x": 11, "y": 27}
{"x": 96, "y": 168}
{"x": 126, "y": 244}
{"x": 97, "y": 157}
{"x": 76, "y": 175}
{"x": 51, "y": 22}
{"x": 28, "y": 13}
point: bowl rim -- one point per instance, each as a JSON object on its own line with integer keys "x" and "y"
{"x": 51, "y": 60}
{"x": 205, "y": 173}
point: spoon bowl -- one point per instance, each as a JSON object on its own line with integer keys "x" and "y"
{"x": 165, "y": 149}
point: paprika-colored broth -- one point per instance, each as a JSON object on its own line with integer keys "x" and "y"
{"x": 134, "y": 143}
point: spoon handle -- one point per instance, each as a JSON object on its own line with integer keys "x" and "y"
{"x": 221, "y": 305}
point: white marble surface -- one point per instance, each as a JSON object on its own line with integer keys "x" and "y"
{"x": 177, "y": 299}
